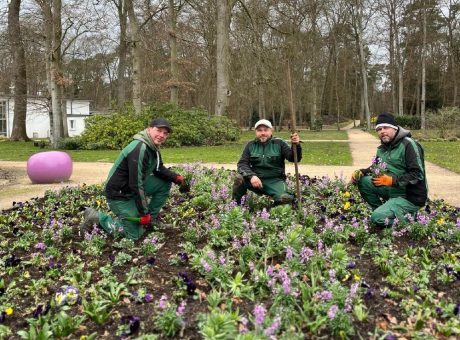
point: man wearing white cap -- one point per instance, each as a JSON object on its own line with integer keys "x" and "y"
{"x": 400, "y": 186}
{"x": 261, "y": 166}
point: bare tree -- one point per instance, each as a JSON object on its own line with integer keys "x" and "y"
{"x": 19, "y": 70}
{"x": 223, "y": 92}
{"x": 358, "y": 22}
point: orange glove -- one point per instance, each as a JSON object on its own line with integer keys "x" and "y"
{"x": 356, "y": 175}
{"x": 383, "y": 180}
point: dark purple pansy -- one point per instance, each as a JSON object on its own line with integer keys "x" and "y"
{"x": 415, "y": 288}
{"x": 456, "y": 308}
{"x": 133, "y": 323}
{"x": 439, "y": 311}
{"x": 389, "y": 337}
{"x": 41, "y": 310}
{"x": 187, "y": 280}
{"x": 448, "y": 269}
{"x": 148, "y": 297}
{"x": 12, "y": 261}
{"x": 112, "y": 258}
{"x": 369, "y": 293}
{"x": 183, "y": 256}
{"x": 2, "y": 317}
{"x": 151, "y": 260}
{"x": 351, "y": 265}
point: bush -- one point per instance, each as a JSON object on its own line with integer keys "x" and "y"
{"x": 445, "y": 120}
{"x": 70, "y": 143}
{"x": 409, "y": 122}
{"x": 190, "y": 127}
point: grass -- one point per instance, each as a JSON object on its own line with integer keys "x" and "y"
{"x": 444, "y": 154}
{"x": 304, "y": 135}
{"x": 316, "y": 153}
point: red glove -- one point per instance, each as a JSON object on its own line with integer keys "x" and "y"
{"x": 179, "y": 179}
{"x": 383, "y": 180}
{"x": 145, "y": 219}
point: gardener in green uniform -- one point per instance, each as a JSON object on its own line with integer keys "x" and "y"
{"x": 138, "y": 184}
{"x": 261, "y": 166}
{"x": 399, "y": 188}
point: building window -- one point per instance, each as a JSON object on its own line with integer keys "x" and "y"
{"x": 3, "y": 109}
{"x": 72, "y": 124}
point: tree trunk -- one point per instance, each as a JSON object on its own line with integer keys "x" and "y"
{"x": 19, "y": 132}
{"x": 136, "y": 55}
{"x": 423, "y": 66}
{"x": 53, "y": 32}
{"x": 173, "y": 46}
{"x": 122, "y": 53}
{"x": 224, "y": 8}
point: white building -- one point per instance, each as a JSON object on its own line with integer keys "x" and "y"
{"x": 37, "y": 119}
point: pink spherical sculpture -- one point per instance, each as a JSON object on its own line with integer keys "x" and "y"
{"x": 49, "y": 167}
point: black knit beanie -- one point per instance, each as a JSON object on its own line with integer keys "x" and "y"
{"x": 386, "y": 119}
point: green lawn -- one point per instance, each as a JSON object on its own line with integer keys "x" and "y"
{"x": 317, "y": 153}
{"x": 304, "y": 135}
{"x": 444, "y": 154}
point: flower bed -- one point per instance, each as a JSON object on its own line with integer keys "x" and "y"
{"x": 229, "y": 272}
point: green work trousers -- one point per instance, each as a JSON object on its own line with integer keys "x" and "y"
{"x": 273, "y": 187}
{"x": 388, "y": 203}
{"x": 156, "y": 189}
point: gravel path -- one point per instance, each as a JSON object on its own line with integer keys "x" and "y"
{"x": 16, "y": 186}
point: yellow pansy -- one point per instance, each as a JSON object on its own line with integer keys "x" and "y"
{"x": 9, "y": 311}
{"x": 356, "y": 277}
{"x": 440, "y": 221}
{"x": 346, "y": 194}
{"x": 26, "y": 274}
{"x": 346, "y": 206}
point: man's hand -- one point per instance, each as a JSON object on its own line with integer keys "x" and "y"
{"x": 145, "y": 219}
{"x": 356, "y": 175}
{"x": 256, "y": 182}
{"x": 383, "y": 180}
{"x": 179, "y": 180}
{"x": 295, "y": 138}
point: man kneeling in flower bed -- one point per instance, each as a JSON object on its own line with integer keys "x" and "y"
{"x": 395, "y": 184}
{"x": 138, "y": 184}
{"x": 261, "y": 166}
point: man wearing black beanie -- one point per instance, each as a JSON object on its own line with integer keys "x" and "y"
{"x": 395, "y": 184}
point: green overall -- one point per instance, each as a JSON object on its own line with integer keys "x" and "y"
{"x": 156, "y": 189}
{"x": 266, "y": 161}
{"x": 405, "y": 164}
{"x": 395, "y": 206}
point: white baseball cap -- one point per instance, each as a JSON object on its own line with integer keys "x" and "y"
{"x": 264, "y": 122}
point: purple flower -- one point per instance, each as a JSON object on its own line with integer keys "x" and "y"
{"x": 259, "y": 314}
{"x": 325, "y": 295}
{"x": 133, "y": 323}
{"x": 163, "y": 303}
{"x": 265, "y": 215}
{"x": 180, "y": 310}
{"x": 243, "y": 325}
{"x": 331, "y": 313}
{"x": 273, "y": 327}
{"x": 305, "y": 254}
{"x": 332, "y": 275}
{"x": 40, "y": 246}
{"x": 289, "y": 254}
{"x": 205, "y": 265}
{"x": 151, "y": 260}
{"x": 148, "y": 297}
{"x": 183, "y": 257}
{"x": 351, "y": 265}
{"x": 458, "y": 222}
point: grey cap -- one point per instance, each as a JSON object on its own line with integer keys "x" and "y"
{"x": 161, "y": 122}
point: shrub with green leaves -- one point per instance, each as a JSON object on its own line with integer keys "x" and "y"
{"x": 190, "y": 127}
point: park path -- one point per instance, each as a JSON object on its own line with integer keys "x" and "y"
{"x": 442, "y": 183}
